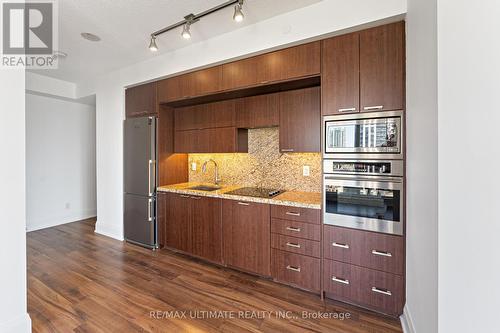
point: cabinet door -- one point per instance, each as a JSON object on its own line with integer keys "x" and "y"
{"x": 247, "y": 236}
{"x": 189, "y": 85}
{"x": 282, "y": 65}
{"x": 192, "y": 117}
{"x": 300, "y": 120}
{"x": 207, "y": 228}
{"x": 192, "y": 141}
{"x": 382, "y": 61}
{"x": 340, "y": 75}
{"x": 177, "y": 223}
{"x": 141, "y": 101}
{"x": 258, "y": 111}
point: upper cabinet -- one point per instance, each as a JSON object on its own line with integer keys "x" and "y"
{"x": 364, "y": 71}
{"x": 291, "y": 63}
{"x": 382, "y": 65}
{"x": 340, "y": 74}
{"x": 141, "y": 101}
{"x": 210, "y": 115}
{"x": 300, "y": 120}
{"x": 258, "y": 111}
{"x": 198, "y": 83}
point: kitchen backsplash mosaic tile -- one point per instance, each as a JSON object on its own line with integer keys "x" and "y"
{"x": 263, "y": 166}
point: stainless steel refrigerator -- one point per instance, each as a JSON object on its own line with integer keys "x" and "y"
{"x": 140, "y": 181}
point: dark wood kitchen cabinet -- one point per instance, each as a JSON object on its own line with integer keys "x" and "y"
{"x": 185, "y": 86}
{"x": 340, "y": 74}
{"x": 140, "y": 101}
{"x": 258, "y": 111}
{"x": 246, "y": 233}
{"x": 193, "y": 225}
{"x": 206, "y": 228}
{"x": 212, "y": 140}
{"x": 177, "y": 224}
{"x": 283, "y": 65}
{"x": 382, "y": 67}
{"x": 364, "y": 71}
{"x": 300, "y": 120}
{"x": 208, "y": 115}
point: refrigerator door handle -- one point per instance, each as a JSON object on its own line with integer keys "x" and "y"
{"x": 152, "y": 163}
{"x": 150, "y": 206}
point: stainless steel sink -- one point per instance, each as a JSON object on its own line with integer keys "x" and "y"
{"x": 207, "y": 188}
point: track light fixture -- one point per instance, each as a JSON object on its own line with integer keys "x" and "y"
{"x": 238, "y": 11}
{"x": 192, "y": 18}
{"x": 152, "y": 44}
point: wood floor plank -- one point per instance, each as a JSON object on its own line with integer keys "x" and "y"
{"x": 79, "y": 281}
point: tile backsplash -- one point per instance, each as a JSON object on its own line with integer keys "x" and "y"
{"x": 263, "y": 166}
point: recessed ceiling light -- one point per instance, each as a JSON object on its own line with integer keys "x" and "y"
{"x": 90, "y": 37}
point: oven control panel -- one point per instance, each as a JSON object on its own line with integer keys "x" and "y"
{"x": 388, "y": 168}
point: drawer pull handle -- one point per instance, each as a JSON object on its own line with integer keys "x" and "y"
{"x": 344, "y": 246}
{"x": 381, "y": 291}
{"x": 292, "y": 213}
{"x": 243, "y": 204}
{"x": 196, "y": 198}
{"x": 381, "y": 253}
{"x": 293, "y": 245}
{"x": 293, "y": 268}
{"x": 339, "y": 280}
{"x": 293, "y": 229}
{"x": 377, "y": 107}
{"x": 347, "y": 110}
{"x": 184, "y": 196}
{"x": 287, "y": 150}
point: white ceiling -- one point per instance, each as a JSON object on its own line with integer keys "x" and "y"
{"x": 125, "y": 25}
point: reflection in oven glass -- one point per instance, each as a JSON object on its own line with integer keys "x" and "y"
{"x": 363, "y": 202}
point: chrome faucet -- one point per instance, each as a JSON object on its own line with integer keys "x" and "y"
{"x": 216, "y": 174}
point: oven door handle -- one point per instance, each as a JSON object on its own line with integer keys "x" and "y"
{"x": 367, "y": 179}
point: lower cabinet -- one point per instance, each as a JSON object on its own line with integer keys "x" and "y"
{"x": 379, "y": 291}
{"x": 193, "y": 225}
{"x": 295, "y": 269}
{"x": 247, "y": 236}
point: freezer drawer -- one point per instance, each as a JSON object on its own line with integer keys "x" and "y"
{"x": 139, "y": 220}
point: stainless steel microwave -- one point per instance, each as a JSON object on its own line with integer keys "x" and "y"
{"x": 375, "y": 135}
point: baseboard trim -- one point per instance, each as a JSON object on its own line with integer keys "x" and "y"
{"x": 108, "y": 233}
{"x": 53, "y": 222}
{"x": 406, "y": 321}
{"x": 19, "y": 324}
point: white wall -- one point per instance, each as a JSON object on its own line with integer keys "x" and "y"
{"x": 320, "y": 19}
{"x": 60, "y": 161}
{"x": 469, "y": 156}
{"x": 13, "y": 315}
{"x": 421, "y": 313}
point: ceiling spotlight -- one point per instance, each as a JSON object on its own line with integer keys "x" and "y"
{"x": 185, "y": 31}
{"x": 238, "y": 11}
{"x": 152, "y": 44}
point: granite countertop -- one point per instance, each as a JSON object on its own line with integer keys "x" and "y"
{"x": 288, "y": 198}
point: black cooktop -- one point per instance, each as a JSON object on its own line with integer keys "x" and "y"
{"x": 257, "y": 192}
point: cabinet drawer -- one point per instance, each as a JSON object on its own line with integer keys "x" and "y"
{"x": 368, "y": 249}
{"x": 296, "y": 214}
{"x": 296, "y": 269}
{"x": 295, "y": 245}
{"x": 382, "y": 292}
{"x": 341, "y": 280}
{"x": 296, "y": 229}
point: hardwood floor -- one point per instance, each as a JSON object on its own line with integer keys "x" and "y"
{"x": 82, "y": 282}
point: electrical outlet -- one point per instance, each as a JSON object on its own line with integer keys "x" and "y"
{"x": 306, "y": 172}
{"x": 193, "y": 166}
